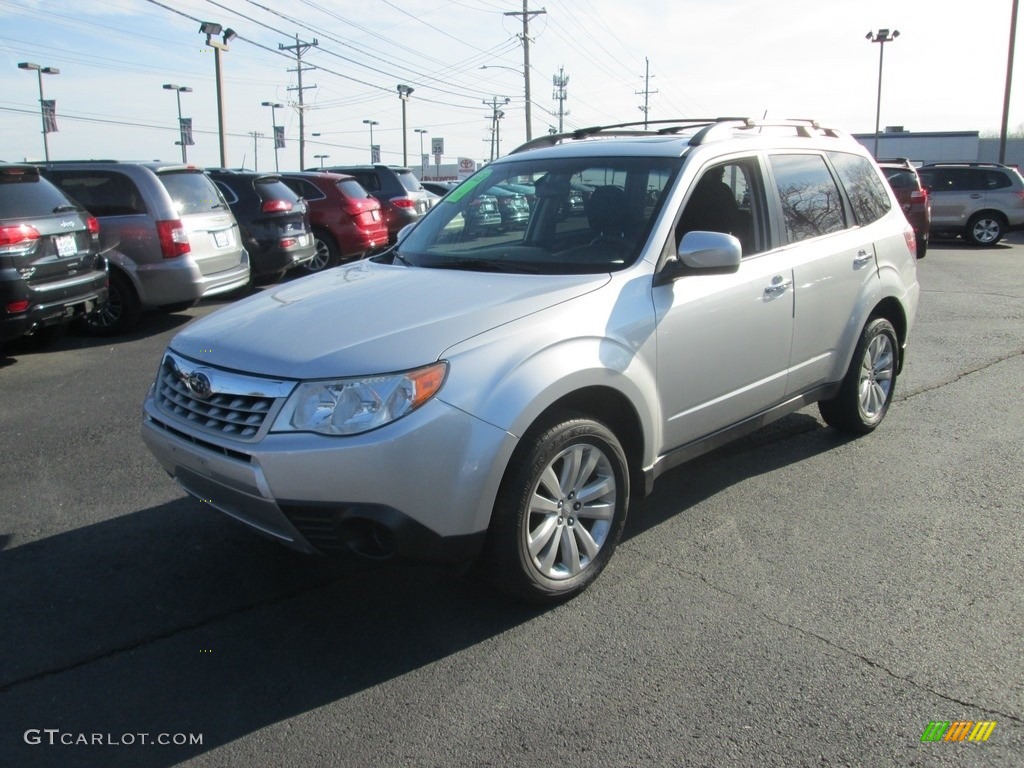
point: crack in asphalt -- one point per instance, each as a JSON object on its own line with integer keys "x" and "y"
{"x": 957, "y": 377}
{"x": 854, "y": 654}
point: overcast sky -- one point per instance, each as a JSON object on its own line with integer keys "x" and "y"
{"x": 786, "y": 58}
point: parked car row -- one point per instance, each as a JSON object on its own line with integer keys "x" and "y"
{"x": 166, "y": 235}
{"x": 980, "y": 202}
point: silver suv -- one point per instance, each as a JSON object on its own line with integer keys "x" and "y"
{"x": 506, "y": 395}
{"x": 173, "y": 239}
{"x": 980, "y": 201}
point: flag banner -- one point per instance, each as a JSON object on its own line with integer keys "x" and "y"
{"x": 278, "y": 137}
{"x": 49, "y": 115}
{"x": 186, "y": 131}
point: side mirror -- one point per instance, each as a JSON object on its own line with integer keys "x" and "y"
{"x": 702, "y": 253}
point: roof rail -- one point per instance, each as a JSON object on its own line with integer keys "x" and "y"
{"x": 707, "y": 129}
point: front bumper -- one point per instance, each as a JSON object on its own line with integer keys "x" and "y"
{"x": 420, "y": 488}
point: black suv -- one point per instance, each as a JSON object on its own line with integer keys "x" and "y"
{"x": 51, "y": 270}
{"x": 913, "y": 197}
{"x": 273, "y": 220}
{"x": 402, "y": 198}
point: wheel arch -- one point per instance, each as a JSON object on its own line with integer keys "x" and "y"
{"x": 606, "y": 405}
{"x": 892, "y": 310}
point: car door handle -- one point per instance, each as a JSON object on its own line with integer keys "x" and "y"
{"x": 863, "y": 257}
{"x": 976, "y": 196}
{"x": 778, "y": 286}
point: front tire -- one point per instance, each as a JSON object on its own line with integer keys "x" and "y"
{"x": 867, "y": 389}
{"x": 985, "y": 229}
{"x": 560, "y": 512}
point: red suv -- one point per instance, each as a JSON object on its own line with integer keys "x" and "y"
{"x": 913, "y": 198}
{"x": 347, "y": 221}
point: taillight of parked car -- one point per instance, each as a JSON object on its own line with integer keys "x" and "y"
{"x": 403, "y": 202}
{"x": 276, "y": 206}
{"x": 173, "y": 238}
{"x": 94, "y": 227}
{"x": 18, "y": 239}
{"x": 1020, "y": 194}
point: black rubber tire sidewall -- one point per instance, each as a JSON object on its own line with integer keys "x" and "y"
{"x": 843, "y": 411}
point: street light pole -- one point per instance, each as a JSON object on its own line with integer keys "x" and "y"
{"x": 371, "y": 123}
{"x": 179, "y": 89}
{"x": 881, "y": 37}
{"x": 404, "y": 91}
{"x": 423, "y": 158}
{"x": 210, "y": 28}
{"x": 40, "y": 71}
{"x": 274, "y": 106}
{"x": 321, "y": 158}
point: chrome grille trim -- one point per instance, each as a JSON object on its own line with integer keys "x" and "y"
{"x": 238, "y": 407}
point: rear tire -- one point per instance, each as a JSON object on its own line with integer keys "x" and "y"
{"x": 985, "y": 229}
{"x": 119, "y": 313}
{"x": 559, "y": 513}
{"x": 327, "y": 253}
{"x": 867, "y": 389}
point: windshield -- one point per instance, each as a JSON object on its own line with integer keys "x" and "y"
{"x": 555, "y": 216}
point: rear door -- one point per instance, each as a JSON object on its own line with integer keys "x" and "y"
{"x": 213, "y": 235}
{"x": 833, "y": 256}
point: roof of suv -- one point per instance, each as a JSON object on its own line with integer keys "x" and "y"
{"x": 672, "y": 138}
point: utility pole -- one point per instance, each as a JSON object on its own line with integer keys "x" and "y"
{"x": 300, "y": 48}
{"x": 1009, "y": 78}
{"x": 496, "y": 114}
{"x": 256, "y": 136}
{"x": 646, "y": 91}
{"x": 526, "y": 15}
{"x": 560, "y": 81}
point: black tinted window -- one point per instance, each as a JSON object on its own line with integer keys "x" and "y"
{"x": 997, "y": 180}
{"x": 409, "y": 181}
{"x": 25, "y": 195}
{"x": 867, "y": 195}
{"x": 304, "y": 188}
{"x": 811, "y": 204}
{"x": 191, "y": 192}
{"x": 102, "y": 193}
{"x": 275, "y": 189}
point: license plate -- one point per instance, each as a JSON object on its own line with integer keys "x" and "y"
{"x": 66, "y": 245}
{"x": 221, "y": 239}
{"x": 303, "y": 240}
{"x": 375, "y": 215}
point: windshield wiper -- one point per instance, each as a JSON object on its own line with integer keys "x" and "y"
{"x": 396, "y": 255}
{"x": 65, "y": 208}
{"x": 485, "y": 265}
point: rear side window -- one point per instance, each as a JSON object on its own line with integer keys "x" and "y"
{"x": 900, "y": 179}
{"x": 409, "y": 181}
{"x": 369, "y": 181}
{"x": 191, "y": 192}
{"x": 353, "y": 189}
{"x": 867, "y": 195}
{"x": 26, "y": 194}
{"x": 811, "y": 204}
{"x": 275, "y": 189}
{"x": 102, "y": 193}
{"x": 304, "y": 188}
{"x": 997, "y": 180}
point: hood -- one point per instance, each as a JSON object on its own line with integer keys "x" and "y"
{"x": 368, "y": 318}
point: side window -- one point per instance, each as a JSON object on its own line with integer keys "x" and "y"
{"x": 229, "y": 194}
{"x": 997, "y": 180}
{"x": 811, "y": 205}
{"x": 867, "y": 195}
{"x": 102, "y": 193}
{"x": 727, "y": 198}
{"x": 304, "y": 189}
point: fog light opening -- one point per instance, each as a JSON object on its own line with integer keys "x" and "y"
{"x": 368, "y": 539}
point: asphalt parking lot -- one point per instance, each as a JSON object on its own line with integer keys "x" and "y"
{"x": 798, "y": 598}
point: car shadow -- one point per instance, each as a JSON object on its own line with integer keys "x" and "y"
{"x": 174, "y": 619}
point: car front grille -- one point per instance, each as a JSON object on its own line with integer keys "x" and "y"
{"x": 217, "y": 402}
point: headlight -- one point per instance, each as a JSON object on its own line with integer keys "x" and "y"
{"x": 351, "y": 406}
